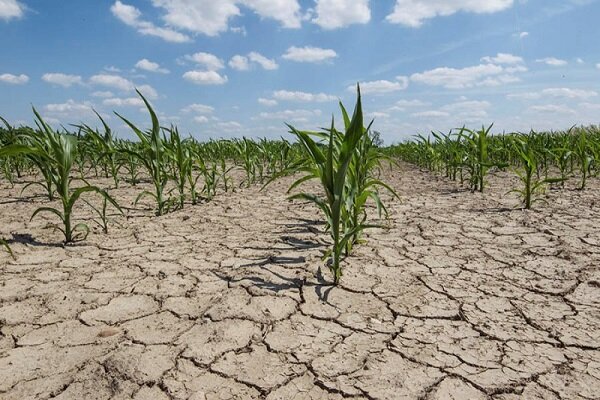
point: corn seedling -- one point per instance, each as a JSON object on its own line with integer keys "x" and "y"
{"x": 532, "y": 186}
{"x": 4, "y": 244}
{"x": 56, "y": 152}
{"x": 102, "y": 214}
{"x": 329, "y": 164}
{"x": 151, "y": 154}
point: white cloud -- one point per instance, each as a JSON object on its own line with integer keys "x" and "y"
{"x": 287, "y": 12}
{"x": 412, "y": 13}
{"x": 552, "y": 109}
{"x": 132, "y": 16}
{"x": 267, "y": 102}
{"x": 229, "y": 126}
{"x": 333, "y": 14}
{"x": 112, "y": 68}
{"x": 14, "y": 79}
{"x": 239, "y": 63}
{"x": 431, "y": 114}
{"x": 11, "y": 9}
{"x": 201, "y": 119}
{"x": 207, "y": 60}
{"x": 566, "y": 93}
{"x": 309, "y": 54}
{"x": 411, "y": 103}
{"x": 102, "y": 94}
{"x": 555, "y": 62}
{"x": 263, "y": 61}
{"x": 205, "y": 77}
{"x": 112, "y": 81}
{"x": 70, "y": 107}
{"x": 291, "y": 115}
{"x": 463, "y": 110}
{"x": 478, "y": 75}
{"x": 378, "y": 114}
{"x": 198, "y": 109}
{"x": 63, "y": 80}
{"x": 148, "y": 91}
{"x": 243, "y": 63}
{"x": 381, "y": 86}
{"x": 212, "y": 17}
{"x": 598, "y": 65}
{"x": 124, "y": 102}
{"x": 503, "y": 58}
{"x": 286, "y": 95}
{"x": 150, "y": 66}
{"x": 579, "y": 60}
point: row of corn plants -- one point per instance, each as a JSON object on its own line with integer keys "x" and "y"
{"x": 180, "y": 170}
{"x": 538, "y": 159}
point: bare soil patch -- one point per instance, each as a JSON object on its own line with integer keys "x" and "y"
{"x": 464, "y": 297}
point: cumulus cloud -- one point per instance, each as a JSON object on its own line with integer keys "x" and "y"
{"x": 555, "y": 62}
{"x": 430, "y": 114}
{"x": 124, "y": 102}
{"x": 14, "y": 79}
{"x": 207, "y": 60}
{"x": 211, "y": 17}
{"x": 68, "y": 110}
{"x": 334, "y": 14}
{"x": 309, "y": 54}
{"x": 478, "y": 75}
{"x": 503, "y": 58}
{"x": 267, "y": 102}
{"x": 239, "y": 63}
{"x": 381, "y": 86}
{"x": 291, "y": 115}
{"x": 148, "y": 91}
{"x": 102, "y": 94}
{"x": 198, "y": 109}
{"x": 205, "y": 77}
{"x": 112, "y": 81}
{"x": 201, "y": 119}
{"x": 244, "y": 63}
{"x": 64, "y": 80}
{"x": 264, "y": 62}
{"x": 10, "y": 9}
{"x": 286, "y": 95}
{"x": 552, "y": 109}
{"x": 131, "y": 16}
{"x": 413, "y": 13}
{"x": 150, "y": 66}
{"x": 565, "y": 93}
{"x": 463, "y": 110}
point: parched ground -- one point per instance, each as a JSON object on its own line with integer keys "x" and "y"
{"x": 463, "y": 298}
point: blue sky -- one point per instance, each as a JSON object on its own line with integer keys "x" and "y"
{"x": 244, "y": 67}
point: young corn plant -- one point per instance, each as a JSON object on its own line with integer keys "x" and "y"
{"x": 102, "y": 213}
{"x": 56, "y": 152}
{"x": 582, "y": 152}
{"x": 4, "y": 244}
{"x": 329, "y": 164}
{"x": 479, "y": 160}
{"x": 104, "y": 146}
{"x": 152, "y": 155}
{"x": 533, "y": 186}
{"x": 182, "y": 162}
{"x": 362, "y": 184}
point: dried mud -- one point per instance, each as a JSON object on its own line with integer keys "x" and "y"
{"x": 464, "y": 297}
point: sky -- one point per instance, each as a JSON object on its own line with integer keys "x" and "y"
{"x": 233, "y": 68}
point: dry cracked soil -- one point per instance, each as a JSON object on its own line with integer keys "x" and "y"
{"x": 463, "y": 297}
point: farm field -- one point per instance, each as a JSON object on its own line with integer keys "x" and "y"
{"x": 464, "y": 297}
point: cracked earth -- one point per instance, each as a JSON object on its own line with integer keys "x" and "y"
{"x": 464, "y": 297}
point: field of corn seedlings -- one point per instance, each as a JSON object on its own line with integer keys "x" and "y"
{"x": 461, "y": 265}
